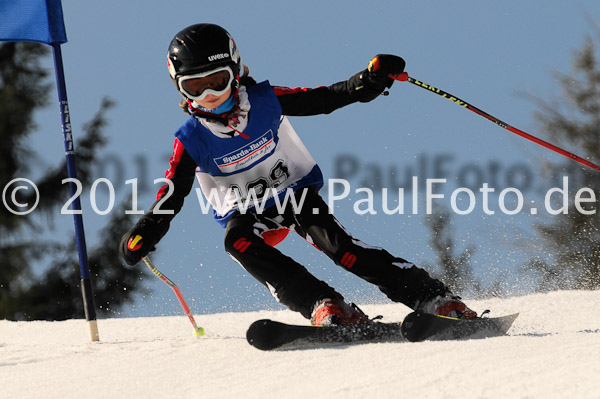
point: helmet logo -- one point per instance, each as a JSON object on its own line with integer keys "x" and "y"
{"x": 171, "y": 68}
{"x": 218, "y": 57}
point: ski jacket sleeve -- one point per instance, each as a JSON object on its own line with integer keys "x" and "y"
{"x": 181, "y": 173}
{"x": 301, "y": 101}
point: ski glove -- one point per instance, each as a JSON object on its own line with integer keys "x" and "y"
{"x": 139, "y": 241}
{"x": 380, "y": 68}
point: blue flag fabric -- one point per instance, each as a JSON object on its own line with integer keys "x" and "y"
{"x": 32, "y": 21}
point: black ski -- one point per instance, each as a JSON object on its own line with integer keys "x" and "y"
{"x": 268, "y": 334}
{"x": 419, "y": 326}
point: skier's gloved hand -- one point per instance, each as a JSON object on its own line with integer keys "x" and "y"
{"x": 139, "y": 241}
{"x": 379, "y": 70}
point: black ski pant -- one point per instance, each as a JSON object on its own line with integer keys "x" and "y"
{"x": 291, "y": 283}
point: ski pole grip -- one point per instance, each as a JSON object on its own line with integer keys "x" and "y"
{"x": 402, "y": 77}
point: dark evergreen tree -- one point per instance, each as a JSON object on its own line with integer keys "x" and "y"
{"x": 573, "y": 240}
{"x": 53, "y": 294}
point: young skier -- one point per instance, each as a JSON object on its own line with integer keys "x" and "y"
{"x": 242, "y": 149}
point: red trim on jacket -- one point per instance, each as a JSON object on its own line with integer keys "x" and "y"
{"x": 281, "y": 90}
{"x": 178, "y": 150}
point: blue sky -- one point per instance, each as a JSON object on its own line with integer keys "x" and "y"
{"x": 491, "y": 54}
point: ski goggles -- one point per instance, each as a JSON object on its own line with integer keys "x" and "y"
{"x": 199, "y": 85}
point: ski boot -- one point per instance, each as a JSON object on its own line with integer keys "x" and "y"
{"x": 449, "y": 306}
{"x": 328, "y": 312}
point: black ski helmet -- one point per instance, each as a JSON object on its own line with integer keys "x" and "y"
{"x": 202, "y": 47}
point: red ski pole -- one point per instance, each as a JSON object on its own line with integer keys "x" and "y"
{"x": 198, "y": 331}
{"x": 403, "y": 77}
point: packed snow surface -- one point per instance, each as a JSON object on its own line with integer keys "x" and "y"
{"x": 552, "y": 351}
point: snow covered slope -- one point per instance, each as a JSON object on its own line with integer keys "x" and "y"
{"x": 553, "y": 351}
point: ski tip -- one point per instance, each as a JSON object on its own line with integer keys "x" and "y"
{"x": 255, "y": 334}
{"x": 263, "y": 334}
{"x": 407, "y": 328}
